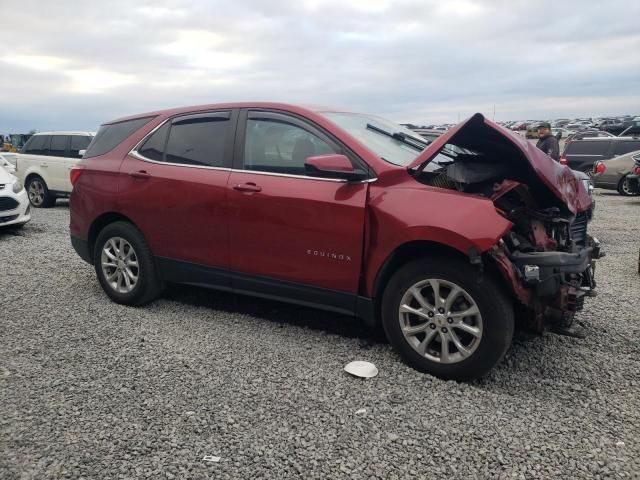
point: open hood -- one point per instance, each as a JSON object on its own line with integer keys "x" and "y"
{"x": 483, "y": 136}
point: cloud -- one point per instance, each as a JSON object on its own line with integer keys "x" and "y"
{"x": 74, "y": 65}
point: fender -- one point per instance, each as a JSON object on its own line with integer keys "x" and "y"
{"x": 23, "y": 173}
{"x": 396, "y": 216}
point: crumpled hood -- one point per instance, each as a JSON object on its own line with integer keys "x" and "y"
{"x": 559, "y": 179}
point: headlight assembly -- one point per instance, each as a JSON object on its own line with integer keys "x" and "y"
{"x": 17, "y": 186}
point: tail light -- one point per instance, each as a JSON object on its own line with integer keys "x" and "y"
{"x": 637, "y": 170}
{"x": 74, "y": 174}
{"x": 563, "y": 161}
{"x": 600, "y": 167}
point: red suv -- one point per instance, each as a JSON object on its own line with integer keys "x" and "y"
{"x": 439, "y": 242}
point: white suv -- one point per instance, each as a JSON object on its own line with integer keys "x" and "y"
{"x": 44, "y": 162}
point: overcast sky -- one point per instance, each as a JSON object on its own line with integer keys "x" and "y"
{"x": 75, "y": 64}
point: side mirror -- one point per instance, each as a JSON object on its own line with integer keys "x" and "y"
{"x": 81, "y": 153}
{"x": 333, "y": 166}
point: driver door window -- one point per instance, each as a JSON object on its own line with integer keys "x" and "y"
{"x": 280, "y": 147}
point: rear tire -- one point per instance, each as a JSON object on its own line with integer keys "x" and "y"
{"x": 484, "y": 336}
{"x": 39, "y": 194}
{"x": 125, "y": 265}
{"x": 623, "y": 188}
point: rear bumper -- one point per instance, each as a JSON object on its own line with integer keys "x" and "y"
{"x": 82, "y": 248}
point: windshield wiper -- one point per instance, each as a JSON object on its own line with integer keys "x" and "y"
{"x": 401, "y": 137}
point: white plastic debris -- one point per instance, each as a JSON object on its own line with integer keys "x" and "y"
{"x": 361, "y": 369}
{"x": 362, "y": 411}
{"x": 620, "y": 444}
{"x": 211, "y": 458}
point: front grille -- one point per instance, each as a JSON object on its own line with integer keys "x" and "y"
{"x": 579, "y": 228}
{"x": 8, "y": 203}
{"x": 10, "y": 218}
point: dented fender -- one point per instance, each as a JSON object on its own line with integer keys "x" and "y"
{"x": 397, "y": 216}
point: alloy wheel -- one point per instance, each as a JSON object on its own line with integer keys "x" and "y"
{"x": 625, "y": 187}
{"x": 440, "y": 320}
{"x": 120, "y": 265}
{"x": 36, "y": 192}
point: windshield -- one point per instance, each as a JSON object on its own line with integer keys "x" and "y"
{"x": 377, "y": 134}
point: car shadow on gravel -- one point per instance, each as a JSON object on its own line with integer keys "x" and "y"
{"x": 24, "y": 231}
{"x": 279, "y": 313}
{"x": 610, "y": 194}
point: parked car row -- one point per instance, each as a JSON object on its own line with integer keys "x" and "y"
{"x": 44, "y": 163}
{"x": 618, "y": 126}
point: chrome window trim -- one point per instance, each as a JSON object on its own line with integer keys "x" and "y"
{"x": 290, "y": 175}
{"x": 135, "y": 154}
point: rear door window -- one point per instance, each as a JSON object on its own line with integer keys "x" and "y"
{"x": 58, "y": 146}
{"x": 153, "y": 148}
{"x": 78, "y": 142}
{"x": 198, "y": 139}
{"x": 587, "y": 148}
{"x": 111, "y": 135}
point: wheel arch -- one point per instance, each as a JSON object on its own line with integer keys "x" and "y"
{"x": 100, "y": 223}
{"x": 401, "y": 256}
{"x": 34, "y": 173}
{"x": 423, "y": 248}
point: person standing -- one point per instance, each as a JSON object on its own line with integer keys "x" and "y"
{"x": 547, "y": 142}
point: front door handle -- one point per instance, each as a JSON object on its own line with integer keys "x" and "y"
{"x": 141, "y": 174}
{"x": 44, "y": 165}
{"x": 248, "y": 187}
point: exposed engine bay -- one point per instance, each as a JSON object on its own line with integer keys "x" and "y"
{"x": 547, "y": 256}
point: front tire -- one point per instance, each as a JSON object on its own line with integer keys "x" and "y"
{"x": 39, "y": 194}
{"x": 446, "y": 319}
{"x": 125, "y": 266}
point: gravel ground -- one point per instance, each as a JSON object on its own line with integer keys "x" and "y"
{"x": 91, "y": 389}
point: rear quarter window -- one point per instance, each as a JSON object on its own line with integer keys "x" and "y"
{"x": 113, "y": 134}
{"x": 78, "y": 142}
{"x": 587, "y": 148}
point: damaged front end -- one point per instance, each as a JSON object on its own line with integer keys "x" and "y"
{"x": 547, "y": 257}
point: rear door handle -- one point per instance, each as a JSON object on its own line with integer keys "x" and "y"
{"x": 142, "y": 175}
{"x": 44, "y": 164}
{"x": 248, "y": 187}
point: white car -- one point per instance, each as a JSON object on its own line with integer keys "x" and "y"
{"x": 14, "y": 202}
{"x": 44, "y": 162}
{"x": 8, "y": 162}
